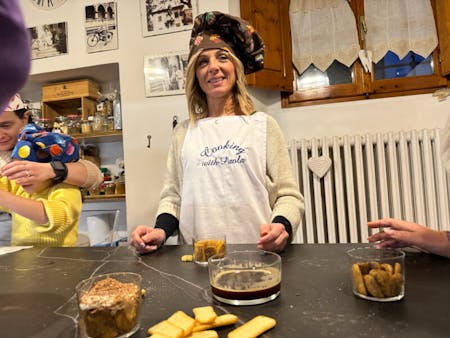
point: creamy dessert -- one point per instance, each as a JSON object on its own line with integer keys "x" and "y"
{"x": 109, "y": 309}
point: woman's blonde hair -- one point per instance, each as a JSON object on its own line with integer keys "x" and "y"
{"x": 196, "y": 98}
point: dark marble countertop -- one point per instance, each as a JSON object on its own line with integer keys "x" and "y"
{"x": 37, "y": 292}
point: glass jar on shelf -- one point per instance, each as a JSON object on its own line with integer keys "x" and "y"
{"x": 110, "y": 188}
{"x": 45, "y": 123}
{"x": 86, "y": 127}
{"x": 61, "y": 122}
{"x": 97, "y": 123}
{"x": 110, "y": 123}
{"x": 74, "y": 124}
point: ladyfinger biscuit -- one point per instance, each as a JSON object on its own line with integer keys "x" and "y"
{"x": 375, "y": 265}
{"x": 383, "y": 279}
{"x": 358, "y": 279}
{"x": 223, "y": 320}
{"x": 204, "y": 334}
{"x": 183, "y": 321}
{"x": 372, "y": 286}
{"x": 364, "y": 267}
{"x": 186, "y": 258}
{"x": 387, "y": 267}
{"x": 253, "y": 328}
{"x": 397, "y": 283}
{"x": 204, "y": 314}
{"x": 166, "y": 328}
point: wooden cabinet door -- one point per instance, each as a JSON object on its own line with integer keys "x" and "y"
{"x": 443, "y": 28}
{"x": 271, "y": 19}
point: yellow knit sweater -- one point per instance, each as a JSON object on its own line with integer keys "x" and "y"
{"x": 63, "y": 205}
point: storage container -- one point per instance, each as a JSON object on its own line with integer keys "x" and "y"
{"x": 70, "y": 90}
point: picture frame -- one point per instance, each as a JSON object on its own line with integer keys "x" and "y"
{"x": 170, "y": 16}
{"x": 48, "y": 40}
{"x": 165, "y": 74}
{"x": 101, "y": 27}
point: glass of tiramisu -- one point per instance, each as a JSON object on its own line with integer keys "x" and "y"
{"x": 109, "y": 305}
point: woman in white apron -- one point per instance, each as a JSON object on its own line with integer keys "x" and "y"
{"x": 228, "y": 166}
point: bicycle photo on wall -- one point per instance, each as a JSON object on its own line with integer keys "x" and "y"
{"x": 101, "y": 27}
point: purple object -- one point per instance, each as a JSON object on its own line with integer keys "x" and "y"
{"x": 15, "y": 51}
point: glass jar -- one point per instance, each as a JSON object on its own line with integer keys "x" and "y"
{"x": 45, "y": 123}
{"x": 62, "y": 124}
{"x": 120, "y": 187}
{"x": 74, "y": 124}
{"x": 110, "y": 123}
{"x": 97, "y": 124}
{"x": 86, "y": 127}
{"x": 110, "y": 188}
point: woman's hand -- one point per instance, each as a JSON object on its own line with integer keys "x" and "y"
{"x": 399, "y": 233}
{"x": 146, "y": 239}
{"x": 274, "y": 237}
{"x": 27, "y": 172}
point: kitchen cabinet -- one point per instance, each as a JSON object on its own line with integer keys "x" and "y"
{"x": 271, "y": 19}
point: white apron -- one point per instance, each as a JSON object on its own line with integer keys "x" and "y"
{"x": 224, "y": 174}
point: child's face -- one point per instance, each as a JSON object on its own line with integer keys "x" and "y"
{"x": 10, "y": 126}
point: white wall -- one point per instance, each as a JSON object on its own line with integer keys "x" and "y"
{"x": 141, "y": 116}
{"x": 153, "y": 116}
{"x": 355, "y": 117}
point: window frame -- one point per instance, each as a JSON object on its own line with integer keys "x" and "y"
{"x": 364, "y": 85}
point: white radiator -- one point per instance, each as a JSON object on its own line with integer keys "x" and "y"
{"x": 367, "y": 177}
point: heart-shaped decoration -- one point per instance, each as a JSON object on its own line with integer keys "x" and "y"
{"x": 319, "y": 165}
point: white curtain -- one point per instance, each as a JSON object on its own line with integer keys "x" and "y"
{"x": 322, "y": 31}
{"x": 400, "y": 26}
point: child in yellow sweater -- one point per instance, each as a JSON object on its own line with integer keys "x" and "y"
{"x": 45, "y": 214}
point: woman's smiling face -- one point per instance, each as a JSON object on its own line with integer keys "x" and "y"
{"x": 216, "y": 73}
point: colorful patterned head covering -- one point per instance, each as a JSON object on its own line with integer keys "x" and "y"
{"x": 214, "y": 30}
{"x": 15, "y": 103}
{"x": 37, "y": 145}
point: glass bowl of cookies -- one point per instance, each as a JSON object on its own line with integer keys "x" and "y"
{"x": 109, "y": 305}
{"x": 377, "y": 274}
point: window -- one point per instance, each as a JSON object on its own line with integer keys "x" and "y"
{"x": 413, "y": 74}
{"x": 391, "y": 67}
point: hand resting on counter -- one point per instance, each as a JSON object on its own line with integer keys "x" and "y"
{"x": 274, "y": 237}
{"x": 146, "y": 239}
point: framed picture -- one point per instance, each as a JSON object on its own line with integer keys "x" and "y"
{"x": 161, "y": 17}
{"x": 165, "y": 74}
{"x": 101, "y": 27}
{"x": 48, "y": 40}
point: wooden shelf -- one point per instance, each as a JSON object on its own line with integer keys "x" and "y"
{"x": 83, "y": 106}
{"x": 96, "y": 198}
{"x": 103, "y": 136}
